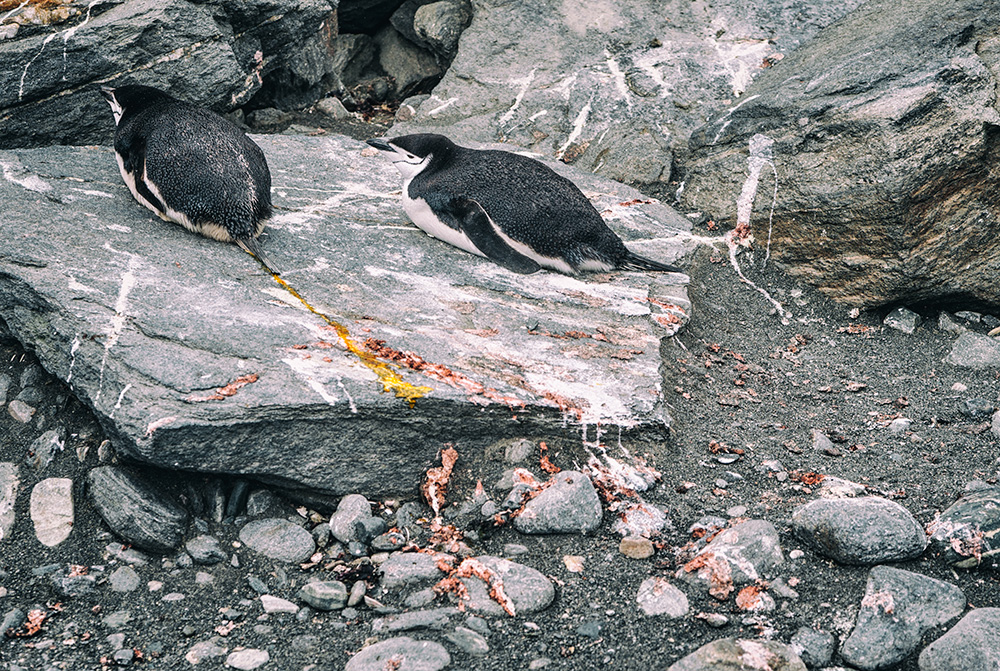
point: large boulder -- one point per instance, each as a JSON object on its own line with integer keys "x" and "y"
{"x": 192, "y": 358}
{"x": 616, "y": 87}
{"x": 214, "y": 53}
{"x": 883, "y": 136}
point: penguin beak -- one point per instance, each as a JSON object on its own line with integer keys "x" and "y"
{"x": 380, "y": 144}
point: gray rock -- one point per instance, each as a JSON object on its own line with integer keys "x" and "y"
{"x": 528, "y": 590}
{"x": 205, "y": 650}
{"x": 974, "y": 350}
{"x": 903, "y": 320}
{"x": 947, "y": 323}
{"x": 740, "y": 655}
{"x": 124, "y": 579}
{"x": 332, "y": 107}
{"x": 325, "y": 595}
{"x": 866, "y": 530}
{"x": 70, "y": 583}
{"x": 569, "y": 505}
{"x": 558, "y": 81}
{"x": 897, "y": 609}
{"x": 179, "y": 342}
{"x": 273, "y": 604}
{"x": 345, "y": 523}
{"x": 995, "y": 424}
{"x": 12, "y": 619}
{"x": 20, "y": 411}
{"x": 439, "y": 25}
{"x": 265, "y": 503}
{"x": 5, "y": 382}
{"x": 248, "y": 659}
{"x": 907, "y": 112}
{"x": 900, "y": 425}
{"x": 410, "y": 569}
{"x": 966, "y": 534}
{"x": 976, "y": 408}
{"x": 9, "y": 486}
{"x": 126, "y": 554}
{"x": 278, "y": 539}
{"x": 740, "y": 555}
{"x": 43, "y": 449}
{"x": 351, "y": 58}
{"x": 408, "y": 655}
{"x": 52, "y": 510}
{"x": 971, "y": 645}
{"x": 136, "y": 510}
{"x": 205, "y": 550}
{"x": 821, "y": 442}
{"x": 468, "y": 641}
{"x": 814, "y": 647}
{"x": 658, "y": 597}
{"x": 434, "y": 618}
{"x": 213, "y": 54}
{"x": 409, "y": 66}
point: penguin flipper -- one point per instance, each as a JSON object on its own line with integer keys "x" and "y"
{"x": 133, "y": 157}
{"x": 252, "y": 247}
{"x": 476, "y": 224}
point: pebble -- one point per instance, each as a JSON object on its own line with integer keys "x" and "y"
{"x": 898, "y": 608}
{"x": 351, "y": 510}
{"x": 124, "y": 579}
{"x": 744, "y": 553}
{"x": 265, "y": 503}
{"x": 636, "y": 547}
{"x": 903, "y": 320}
{"x": 325, "y": 595}
{"x": 126, "y": 554}
{"x": 976, "y": 408}
{"x": 514, "y": 550}
{"x": 730, "y": 653}
{"x": 333, "y": 107}
{"x": 273, "y": 604}
{"x": 247, "y": 659}
{"x": 974, "y": 350}
{"x": 714, "y": 620}
{"x": 899, "y": 426}
{"x": 434, "y": 618}
{"x": 199, "y": 652}
{"x": 278, "y": 539}
{"x": 528, "y": 589}
{"x": 51, "y": 510}
{"x": 972, "y": 644}
{"x": 405, "y": 653}
{"x": 173, "y": 597}
{"x": 837, "y": 488}
{"x": 5, "y": 383}
{"x": 13, "y": 619}
{"x": 136, "y": 510}
{"x": 867, "y": 530}
{"x": 201, "y": 578}
{"x": 9, "y": 485}
{"x": 43, "y": 449}
{"x": 658, "y": 597}
{"x": 639, "y": 519}
{"x": 966, "y": 533}
{"x": 409, "y": 569}
{"x": 813, "y": 646}
{"x": 205, "y": 550}
{"x": 518, "y": 451}
{"x": 20, "y": 411}
{"x": 569, "y": 505}
{"x": 358, "y": 590}
{"x": 469, "y": 641}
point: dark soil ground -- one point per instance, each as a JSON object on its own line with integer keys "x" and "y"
{"x": 736, "y": 377}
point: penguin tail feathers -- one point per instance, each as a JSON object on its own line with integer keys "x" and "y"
{"x": 636, "y": 262}
{"x": 252, "y": 247}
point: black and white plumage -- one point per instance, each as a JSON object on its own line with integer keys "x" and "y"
{"x": 509, "y": 208}
{"x": 190, "y": 166}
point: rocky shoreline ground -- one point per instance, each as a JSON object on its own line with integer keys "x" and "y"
{"x": 814, "y": 512}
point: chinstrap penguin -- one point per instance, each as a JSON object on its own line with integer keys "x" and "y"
{"x": 509, "y": 208}
{"x": 190, "y": 166}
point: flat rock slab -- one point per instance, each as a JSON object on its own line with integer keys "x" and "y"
{"x": 193, "y": 358}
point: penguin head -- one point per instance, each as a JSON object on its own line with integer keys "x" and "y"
{"x": 132, "y": 98}
{"x": 412, "y": 153}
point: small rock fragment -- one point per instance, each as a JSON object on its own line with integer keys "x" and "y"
{"x": 658, "y": 597}
{"x": 52, "y": 510}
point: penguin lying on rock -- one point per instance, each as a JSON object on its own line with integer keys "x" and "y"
{"x": 191, "y": 166}
{"x": 509, "y": 208}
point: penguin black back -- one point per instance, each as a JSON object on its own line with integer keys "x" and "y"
{"x": 191, "y": 166}
{"x": 541, "y": 217}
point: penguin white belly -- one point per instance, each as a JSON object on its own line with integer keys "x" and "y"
{"x": 423, "y": 216}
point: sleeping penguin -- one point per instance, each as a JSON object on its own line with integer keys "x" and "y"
{"x": 191, "y": 166}
{"x": 509, "y": 208}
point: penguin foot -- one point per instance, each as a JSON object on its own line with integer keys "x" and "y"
{"x": 252, "y": 247}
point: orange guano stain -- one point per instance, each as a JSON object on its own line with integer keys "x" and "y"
{"x": 390, "y": 379}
